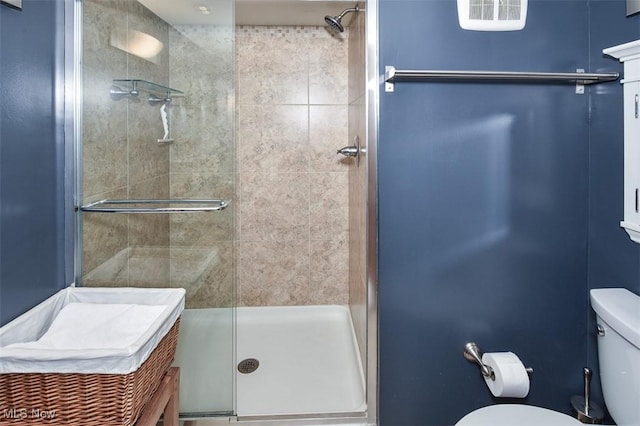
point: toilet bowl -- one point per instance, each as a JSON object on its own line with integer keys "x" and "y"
{"x": 516, "y": 415}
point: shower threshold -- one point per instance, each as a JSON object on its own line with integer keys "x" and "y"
{"x": 309, "y": 364}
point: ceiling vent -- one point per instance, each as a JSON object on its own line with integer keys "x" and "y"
{"x": 492, "y": 15}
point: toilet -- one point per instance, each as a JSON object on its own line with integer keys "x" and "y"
{"x": 618, "y": 318}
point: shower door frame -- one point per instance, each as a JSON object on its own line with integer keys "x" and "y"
{"x": 73, "y": 124}
{"x": 372, "y": 101}
{"x": 72, "y": 94}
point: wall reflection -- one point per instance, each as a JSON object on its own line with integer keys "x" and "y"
{"x": 474, "y": 204}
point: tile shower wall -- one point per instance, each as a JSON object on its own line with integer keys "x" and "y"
{"x": 202, "y": 162}
{"x": 293, "y": 226}
{"x": 292, "y": 240}
{"x": 120, "y": 156}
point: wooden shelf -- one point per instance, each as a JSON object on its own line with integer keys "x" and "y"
{"x": 164, "y": 402}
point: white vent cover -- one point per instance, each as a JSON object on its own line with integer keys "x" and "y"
{"x": 492, "y": 15}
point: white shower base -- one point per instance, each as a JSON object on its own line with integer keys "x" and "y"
{"x": 205, "y": 357}
{"x": 309, "y": 361}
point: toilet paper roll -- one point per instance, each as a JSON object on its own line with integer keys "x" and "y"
{"x": 511, "y": 378}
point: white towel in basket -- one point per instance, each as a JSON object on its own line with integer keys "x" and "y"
{"x": 96, "y": 326}
{"x": 80, "y": 358}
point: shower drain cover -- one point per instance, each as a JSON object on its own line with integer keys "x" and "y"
{"x": 248, "y": 365}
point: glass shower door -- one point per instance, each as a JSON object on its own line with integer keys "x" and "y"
{"x": 157, "y": 162}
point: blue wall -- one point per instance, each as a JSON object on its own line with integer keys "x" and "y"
{"x": 499, "y": 203}
{"x": 32, "y": 260}
{"x": 484, "y": 214}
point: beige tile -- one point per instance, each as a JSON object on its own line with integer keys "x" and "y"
{"x": 149, "y": 267}
{"x": 201, "y": 184}
{"x": 285, "y": 70}
{"x": 328, "y": 132}
{"x": 104, "y": 235}
{"x": 114, "y": 272}
{"x": 104, "y": 129}
{"x": 149, "y": 229}
{"x": 202, "y": 121}
{"x": 216, "y": 41}
{"x": 273, "y": 273}
{"x": 274, "y": 138}
{"x": 195, "y": 150}
{"x": 329, "y": 204}
{"x": 206, "y": 274}
{"x": 328, "y": 71}
{"x": 104, "y": 136}
{"x": 250, "y": 70}
{"x": 273, "y": 66}
{"x": 263, "y": 136}
{"x": 201, "y": 55}
{"x": 274, "y": 207}
{"x": 202, "y": 229}
{"x": 329, "y": 272}
{"x": 356, "y": 57}
{"x": 147, "y": 158}
{"x": 104, "y": 162}
{"x": 250, "y": 136}
{"x": 287, "y": 87}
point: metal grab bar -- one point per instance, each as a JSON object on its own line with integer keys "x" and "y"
{"x": 392, "y": 75}
{"x": 205, "y": 206}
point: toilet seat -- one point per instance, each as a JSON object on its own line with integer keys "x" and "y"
{"x": 516, "y": 415}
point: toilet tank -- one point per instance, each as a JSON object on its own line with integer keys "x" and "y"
{"x": 618, "y": 313}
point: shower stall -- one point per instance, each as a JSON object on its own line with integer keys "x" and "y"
{"x": 206, "y": 159}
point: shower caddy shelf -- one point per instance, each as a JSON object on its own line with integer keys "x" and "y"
{"x": 132, "y": 88}
{"x": 393, "y": 75}
{"x": 188, "y": 206}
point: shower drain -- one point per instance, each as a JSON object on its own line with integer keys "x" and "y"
{"x": 248, "y": 365}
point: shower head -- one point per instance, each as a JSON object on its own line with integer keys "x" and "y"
{"x": 334, "y": 21}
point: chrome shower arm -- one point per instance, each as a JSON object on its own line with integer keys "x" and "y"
{"x": 344, "y": 12}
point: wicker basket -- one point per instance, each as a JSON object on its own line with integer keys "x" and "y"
{"x": 85, "y": 399}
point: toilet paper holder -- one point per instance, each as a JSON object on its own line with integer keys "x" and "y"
{"x": 473, "y": 353}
